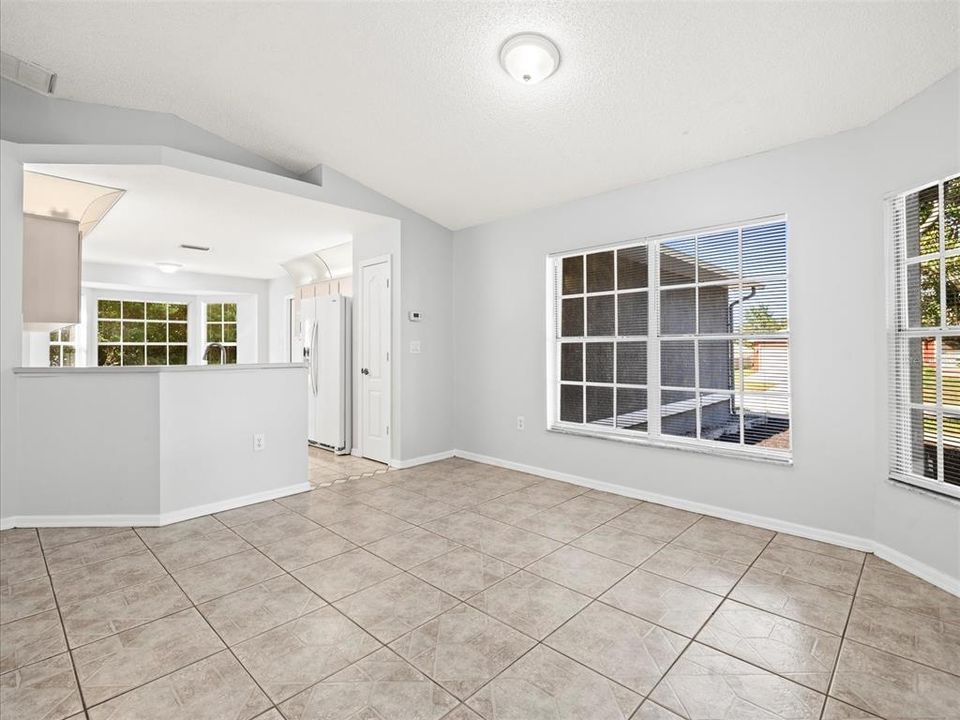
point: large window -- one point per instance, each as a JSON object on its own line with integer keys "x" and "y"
{"x": 63, "y": 347}
{"x": 222, "y": 330}
{"x": 924, "y": 226}
{"x": 679, "y": 340}
{"x": 141, "y": 333}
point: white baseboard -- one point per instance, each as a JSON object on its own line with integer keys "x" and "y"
{"x": 147, "y": 520}
{"x": 921, "y": 570}
{"x": 422, "y": 460}
{"x": 356, "y": 453}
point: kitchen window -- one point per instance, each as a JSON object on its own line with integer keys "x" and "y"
{"x": 63, "y": 347}
{"x": 923, "y": 228}
{"x": 133, "y": 332}
{"x": 222, "y": 330}
{"x": 679, "y": 340}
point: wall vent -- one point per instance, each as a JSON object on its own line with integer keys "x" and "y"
{"x": 28, "y": 74}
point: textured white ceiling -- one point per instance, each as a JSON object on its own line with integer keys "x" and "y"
{"x": 409, "y": 99}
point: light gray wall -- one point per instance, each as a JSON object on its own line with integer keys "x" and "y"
{"x": 832, "y": 191}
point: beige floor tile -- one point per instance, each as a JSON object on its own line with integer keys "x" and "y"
{"x": 225, "y": 575}
{"x": 412, "y": 547}
{"x": 530, "y": 604}
{"x": 196, "y": 527}
{"x": 395, "y": 606}
{"x": 915, "y": 637}
{"x": 192, "y": 551}
{"x": 873, "y": 561}
{"x": 97, "y": 549}
{"x": 651, "y": 711}
{"x": 294, "y": 656}
{"x": 461, "y": 712}
{"x": 241, "y": 615}
{"x": 545, "y": 684}
{"x": 55, "y": 537}
{"x": 382, "y": 685}
{"x": 250, "y": 513}
{"x": 272, "y": 714}
{"x": 618, "y": 544}
{"x": 794, "y": 599}
{"x": 26, "y": 598}
{"x": 667, "y": 603}
{"x": 121, "y": 610}
{"x": 722, "y": 541}
{"x": 19, "y": 562}
{"x": 302, "y": 550}
{"x": 463, "y": 572}
{"x": 46, "y": 690}
{"x": 212, "y": 689}
{"x": 811, "y": 567}
{"x": 569, "y": 520}
{"x": 799, "y": 652}
{"x": 706, "y": 572}
{"x": 655, "y": 521}
{"x": 13, "y": 535}
{"x": 405, "y": 505}
{"x": 323, "y": 506}
{"x": 30, "y": 640}
{"x": 360, "y": 485}
{"x": 462, "y": 649}
{"x": 91, "y": 581}
{"x": 275, "y": 528}
{"x": 836, "y": 710}
{"x": 621, "y": 501}
{"x": 505, "y": 542}
{"x": 122, "y": 662}
{"x": 370, "y": 526}
{"x": 893, "y": 687}
{"x": 834, "y": 551}
{"x": 508, "y": 509}
{"x": 705, "y": 684}
{"x": 580, "y": 570}
{"x": 345, "y": 574}
{"x": 623, "y": 647}
{"x": 902, "y": 590}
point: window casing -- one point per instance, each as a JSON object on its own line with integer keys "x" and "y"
{"x": 137, "y": 333}
{"x": 221, "y": 327}
{"x": 923, "y": 229}
{"x": 680, "y": 340}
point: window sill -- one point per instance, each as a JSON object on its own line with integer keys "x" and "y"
{"x": 755, "y": 455}
{"x": 950, "y": 494}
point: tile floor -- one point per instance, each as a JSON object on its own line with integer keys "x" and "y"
{"x": 327, "y": 469}
{"x": 463, "y": 591}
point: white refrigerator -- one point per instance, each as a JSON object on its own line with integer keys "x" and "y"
{"x": 325, "y": 332}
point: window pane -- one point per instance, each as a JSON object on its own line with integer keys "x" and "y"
{"x": 600, "y": 271}
{"x": 951, "y": 214}
{"x": 763, "y": 309}
{"x": 952, "y": 290}
{"x": 600, "y": 405}
{"x": 108, "y": 308}
{"x": 108, "y": 355}
{"x": 951, "y": 449}
{"x": 765, "y": 250}
{"x": 108, "y": 331}
{"x": 718, "y": 256}
{"x": 133, "y": 332}
{"x": 571, "y": 361}
{"x": 718, "y": 364}
{"x": 69, "y": 356}
{"x": 156, "y": 311}
{"x": 177, "y": 354}
{"x": 766, "y": 370}
{"x": 571, "y": 403}
{"x": 719, "y": 417}
{"x": 177, "y": 332}
{"x": 215, "y": 312}
{"x": 68, "y": 334}
{"x": 600, "y": 318}
{"x": 214, "y": 332}
{"x": 632, "y": 363}
{"x": 766, "y": 422}
{"x": 716, "y": 308}
{"x": 177, "y": 311}
{"x": 923, "y": 294}
{"x": 133, "y": 309}
{"x": 677, "y": 312}
{"x": 632, "y": 313}
{"x": 231, "y": 355}
{"x": 229, "y": 332}
{"x": 572, "y": 282}
{"x": 632, "y": 409}
{"x": 928, "y": 219}
{"x": 676, "y": 363}
{"x": 632, "y": 268}
{"x": 678, "y": 413}
{"x": 922, "y": 369}
{"x": 229, "y": 312}
{"x": 923, "y": 443}
{"x": 133, "y": 355}
{"x": 55, "y": 336}
{"x": 157, "y": 355}
{"x": 572, "y": 318}
{"x": 54, "y": 354}
{"x": 950, "y": 370}
{"x": 677, "y": 261}
{"x": 156, "y": 332}
{"x": 600, "y": 363}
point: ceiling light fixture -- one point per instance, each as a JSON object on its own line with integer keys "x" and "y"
{"x": 529, "y": 58}
{"x": 168, "y": 267}
{"x": 201, "y": 248}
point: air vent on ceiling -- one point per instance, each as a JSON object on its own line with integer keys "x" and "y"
{"x": 28, "y": 74}
{"x": 199, "y": 248}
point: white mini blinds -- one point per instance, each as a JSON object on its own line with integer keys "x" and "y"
{"x": 680, "y": 340}
{"x": 923, "y": 228}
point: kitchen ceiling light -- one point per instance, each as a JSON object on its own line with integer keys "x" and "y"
{"x": 168, "y": 267}
{"x": 529, "y": 58}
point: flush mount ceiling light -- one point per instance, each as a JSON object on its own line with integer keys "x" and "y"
{"x": 529, "y": 58}
{"x": 168, "y": 267}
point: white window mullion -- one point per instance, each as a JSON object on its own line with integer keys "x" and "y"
{"x": 653, "y": 340}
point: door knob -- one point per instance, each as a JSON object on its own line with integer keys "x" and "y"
{"x": 364, "y": 371}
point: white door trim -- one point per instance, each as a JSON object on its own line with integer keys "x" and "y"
{"x": 358, "y": 292}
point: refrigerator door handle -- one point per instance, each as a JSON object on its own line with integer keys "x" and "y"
{"x": 314, "y": 357}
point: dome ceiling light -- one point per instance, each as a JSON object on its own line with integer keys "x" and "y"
{"x": 529, "y": 58}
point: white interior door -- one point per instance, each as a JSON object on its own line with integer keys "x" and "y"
{"x": 375, "y": 360}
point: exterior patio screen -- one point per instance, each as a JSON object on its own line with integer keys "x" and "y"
{"x": 680, "y": 340}
{"x": 923, "y": 228}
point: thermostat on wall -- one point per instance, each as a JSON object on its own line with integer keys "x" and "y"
{"x": 415, "y": 316}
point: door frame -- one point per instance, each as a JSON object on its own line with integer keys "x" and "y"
{"x": 360, "y": 302}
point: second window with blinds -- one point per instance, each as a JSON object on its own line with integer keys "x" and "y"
{"x": 680, "y": 340}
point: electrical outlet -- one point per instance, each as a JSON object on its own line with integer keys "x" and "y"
{"x": 519, "y": 422}
{"x": 259, "y": 442}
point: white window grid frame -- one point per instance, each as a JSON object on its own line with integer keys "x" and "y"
{"x": 222, "y": 323}
{"x": 899, "y": 337}
{"x": 60, "y": 344}
{"x": 145, "y": 344}
{"x": 653, "y": 436}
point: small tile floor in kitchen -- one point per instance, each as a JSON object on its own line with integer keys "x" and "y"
{"x": 457, "y": 590}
